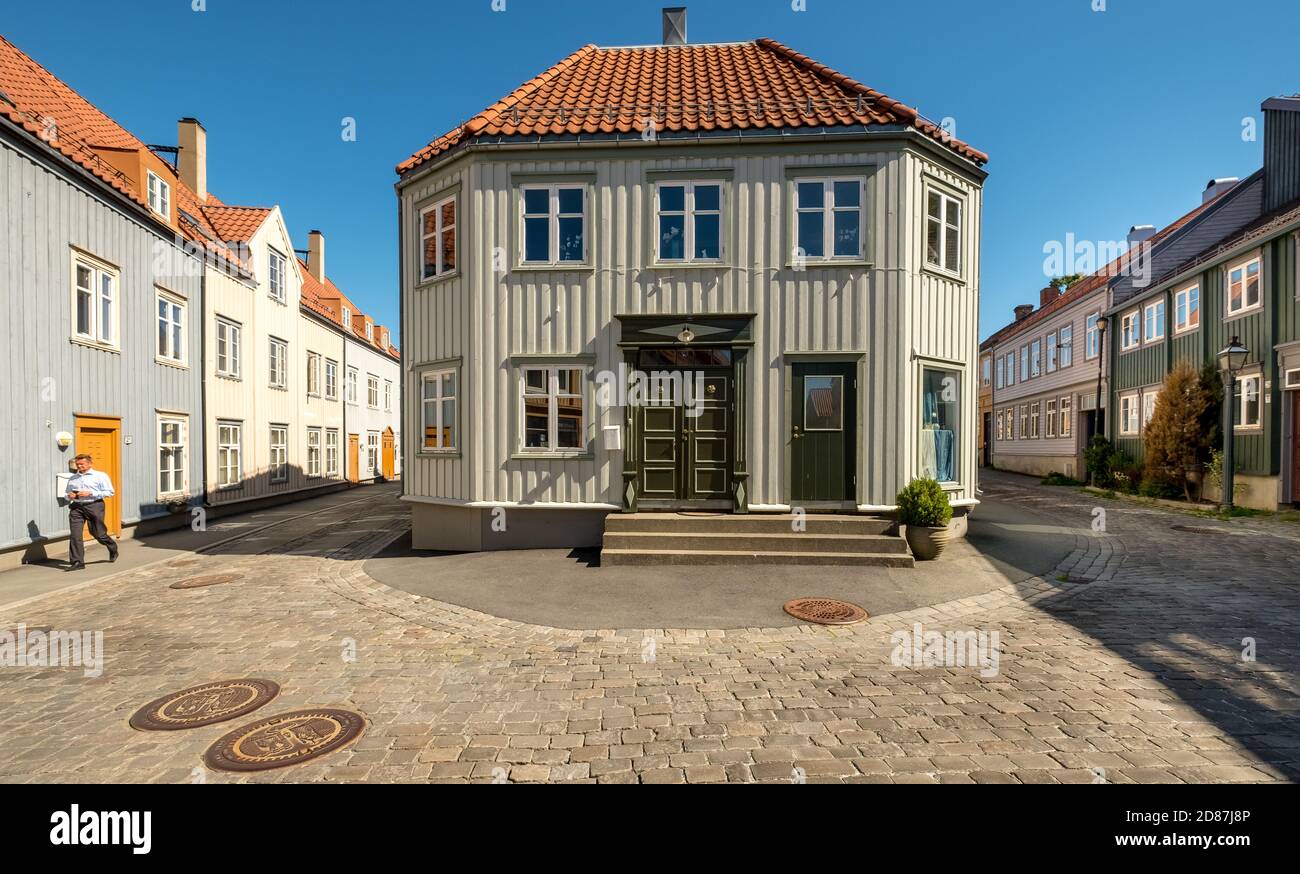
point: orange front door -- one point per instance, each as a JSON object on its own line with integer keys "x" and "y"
{"x": 390, "y": 455}
{"x": 101, "y": 438}
{"x": 354, "y": 458}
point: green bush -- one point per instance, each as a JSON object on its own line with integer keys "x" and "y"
{"x": 1157, "y": 486}
{"x": 1108, "y": 467}
{"x": 924, "y": 504}
{"x": 1060, "y": 479}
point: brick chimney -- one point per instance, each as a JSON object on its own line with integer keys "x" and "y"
{"x": 1047, "y": 295}
{"x": 316, "y": 255}
{"x": 1024, "y": 311}
{"x": 192, "y": 159}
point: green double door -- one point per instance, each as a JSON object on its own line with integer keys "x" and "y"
{"x": 823, "y": 432}
{"x": 686, "y": 455}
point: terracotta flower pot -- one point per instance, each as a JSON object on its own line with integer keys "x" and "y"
{"x": 927, "y": 544}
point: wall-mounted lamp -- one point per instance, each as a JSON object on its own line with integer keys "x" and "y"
{"x": 64, "y": 439}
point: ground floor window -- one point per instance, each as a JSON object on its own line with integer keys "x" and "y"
{"x": 1034, "y": 410}
{"x": 1050, "y": 419}
{"x": 229, "y": 454}
{"x": 172, "y": 439}
{"x": 1001, "y": 422}
{"x": 372, "y": 452}
{"x": 1067, "y": 417}
{"x": 438, "y": 390}
{"x": 1024, "y": 421}
{"x": 279, "y": 453}
{"x": 332, "y": 452}
{"x": 940, "y": 424}
{"x": 553, "y": 408}
{"x": 1128, "y": 416}
{"x": 1249, "y": 409}
{"x": 1149, "y": 406}
{"x": 313, "y": 451}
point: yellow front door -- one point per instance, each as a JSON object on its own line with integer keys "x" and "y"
{"x": 354, "y": 458}
{"x": 101, "y": 439}
{"x": 390, "y": 455}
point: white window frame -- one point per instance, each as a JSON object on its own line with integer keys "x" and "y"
{"x": 1035, "y": 420}
{"x": 1092, "y": 338}
{"x": 553, "y": 223}
{"x": 689, "y": 213}
{"x": 1149, "y": 398}
{"x": 372, "y": 391}
{"x": 388, "y": 396}
{"x": 159, "y": 192}
{"x": 1153, "y": 320}
{"x": 230, "y": 448}
{"x": 332, "y": 445}
{"x": 277, "y": 374}
{"x": 1024, "y": 363}
{"x": 175, "y": 320}
{"x": 313, "y": 374}
{"x": 986, "y": 371}
{"x": 1050, "y": 348}
{"x": 946, "y": 230}
{"x": 105, "y": 281}
{"x": 331, "y": 379}
{"x": 1036, "y": 359}
{"x": 350, "y": 385}
{"x": 1240, "y": 422}
{"x": 277, "y": 279}
{"x": 1011, "y": 368}
{"x": 1001, "y": 422}
{"x": 347, "y": 318}
{"x": 229, "y": 334}
{"x": 1066, "y": 409}
{"x": 440, "y": 269}
{"x": 1130, "y": 415}
{"x": 183, "y": 474}
{"x": 278, "y": 457}
{"x": 1244, "y": 266}
{"x": 1023, "y": 414}
{"x": 1130, "y": 322}
{"x": 1183, "y": 301}
{"x": 828, "y": 209}
{"x": 370, "y": 331}
{"x": 1001, "y": 373}
{"x": 1049, "y": 419}
{"x": 372, "y": 453}
{"x": 553, "y": 395}
{"x": 1065, "y": 347}
{"x": 315, "y": 450}
{"x": 433, "y": 417}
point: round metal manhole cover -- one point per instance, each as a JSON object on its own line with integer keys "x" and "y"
{"x": 825, "y": 611}
{"x": 204, "y": 582}
{"x": 287, "y": 739}
{"x": 204, "y": 705}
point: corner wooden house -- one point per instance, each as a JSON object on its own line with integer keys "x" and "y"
{"x": 794, "y": 253}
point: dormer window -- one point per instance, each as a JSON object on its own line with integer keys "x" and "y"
{"x": 277, "y": 265}
{"x": 370, "y": 331}
{"x": 347, "y": 318}
{"x": 383, "y": 338}
{"x": 160, "y": 196}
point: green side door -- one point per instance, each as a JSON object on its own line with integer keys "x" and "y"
{"x": 823, "y": 432}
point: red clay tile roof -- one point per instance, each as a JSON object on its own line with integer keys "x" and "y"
{"x": 237, "y": 224}
{"x": 1089, "y": 284}
{"x": 761, "y": 85}
{"x": 326, "y": 300}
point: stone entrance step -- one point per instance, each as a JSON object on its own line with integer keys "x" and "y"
{"x": 644, "y": 539}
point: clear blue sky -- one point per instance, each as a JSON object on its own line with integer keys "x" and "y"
{"x": 1095, "y": 121}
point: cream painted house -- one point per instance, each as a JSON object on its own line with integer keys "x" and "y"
{"x": 799, "y": 246}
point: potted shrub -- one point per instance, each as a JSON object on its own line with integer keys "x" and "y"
{"x": 924, "y": 509}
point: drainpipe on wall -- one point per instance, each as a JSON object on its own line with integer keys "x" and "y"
{"x": 401, "y": 328}
{"x": 201, "y": 366}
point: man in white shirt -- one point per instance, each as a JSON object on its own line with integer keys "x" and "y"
{"x": 86, "y": 493}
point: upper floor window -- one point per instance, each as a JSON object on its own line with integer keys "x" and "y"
{"x": 331, "y": 379}
{"x": 171, "y": 329}
{"x": 1128, "y": 333}
{"x": 370, "y": 331}
{"x": 690, "y": 221}
{"x": 554, "y": 224}
{"x": 1066, "y": 346}
{"x": 388, "y": 396}
{"x": 94, "y": 301}
{"x": 383, "y": 338}
{"x": 351, "y": 386}
{"x": 1011, "y": 368}
{"x": 438, "y": 239}
{"x": 943, "y": 221}
{"x": 1093, "y": 341}
{"x": 1001, "y": 372}
{"x": 1052, "y": 350}
{"x": 1244, "y": 287}
{"x": 1187, "y": 309}
{"x": 1024, "y": 363}
{"x": 986, "y": 371}
{"x": 160, "y": 195}
{"x": 313, "y": 374}
{"x": 372, "y": 391}
{"x": 1036, "y": 358}
{"x": 1153, "y": 321}
{"x": 830, "y": 214}
{"x": 347, "y": 318}
{"x": 278, "y": 369}
{"x": 276, "y": 266}
{"x": 228, "y": 339}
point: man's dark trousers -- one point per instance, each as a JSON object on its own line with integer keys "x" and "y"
{"x": 78, "y": 517}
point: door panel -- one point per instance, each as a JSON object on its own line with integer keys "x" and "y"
{"x": 354, "y": 458}
{"x": 823, "y": 432}
{"x": 685, "y": 454}
{"x": 101, "y": 439}
{"x": 389, "y": 455}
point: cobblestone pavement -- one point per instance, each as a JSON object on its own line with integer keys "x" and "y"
{"x": 1125, "y": 666}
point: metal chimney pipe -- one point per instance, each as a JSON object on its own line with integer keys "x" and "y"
{"x": 675, "y": 26}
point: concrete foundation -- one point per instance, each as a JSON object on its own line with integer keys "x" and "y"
{"x": 483, "y": 529}
{"x": 1039, "y": 465}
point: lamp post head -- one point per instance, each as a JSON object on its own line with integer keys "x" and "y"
{"x": 1233, "y": 357}
{"x": 1102, "y": 324}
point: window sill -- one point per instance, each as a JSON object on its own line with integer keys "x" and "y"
{"x": 575, "y": 455}
{"x": 273, "y": 387}
{"x": 429, "y": 282}
{"x": 1241, "y": 314}
{"x": 233, "y": 377}
{"x": 1248, "y": 429}
{"x": 437, "y": 454}
{"x": 175, "y": 365}
{"x": 690, "y": 265}
{"x": 91, "y": 344}
{"x": 1192, "y": 330}
{"x": 826, "y": 263}
{"x": 941, "y": 273}
{"x": 559, "y": 267}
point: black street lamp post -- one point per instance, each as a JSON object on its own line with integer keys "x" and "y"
{"x": 1231, "y": 360}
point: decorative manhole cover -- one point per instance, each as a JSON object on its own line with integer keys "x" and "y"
{"x": 825, "y": 611}
{"x": 204, "y": 705}
{"x": 287, "y": 739}
{"x": 204, "y": 582}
